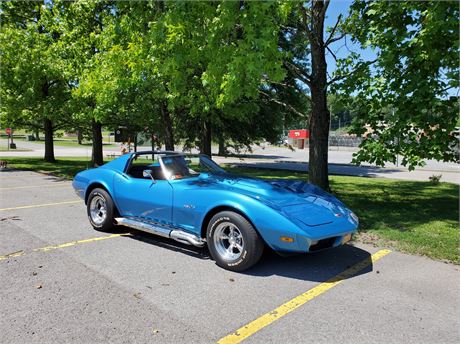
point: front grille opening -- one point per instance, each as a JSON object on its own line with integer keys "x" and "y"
{"x": 323, "y": 244}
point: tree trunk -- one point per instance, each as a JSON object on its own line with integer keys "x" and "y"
{"x": 49, "y": 143}
{"x": 168, "y": 130}
{"x": 320, "y": 116}
{"x": 97, "y": 157}
{"x": 222, "y": 148}
{"x": 154, "y": 140}
{"x": 152, "y": 137}
{"x": 205, "y": 141}
{"x": 319, "y": 133}
{"x": 37, "y": 135}
{"x": 48, "y": 127}
{"x": 79, "y": 136}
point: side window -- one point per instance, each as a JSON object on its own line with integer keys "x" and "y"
{"x": 144, "y": 162}
{"x": 195, "y": 165}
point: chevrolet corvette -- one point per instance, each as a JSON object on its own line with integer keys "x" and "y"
{"x": 191, "y": 199}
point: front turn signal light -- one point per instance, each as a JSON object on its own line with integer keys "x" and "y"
{"x": 286, "y": 239}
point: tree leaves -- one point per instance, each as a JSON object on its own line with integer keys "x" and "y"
{"x": 414, "y": 76}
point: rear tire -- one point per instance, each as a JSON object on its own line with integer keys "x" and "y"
{"x": 233, "y": 242}
{"x": 101, "y": 210}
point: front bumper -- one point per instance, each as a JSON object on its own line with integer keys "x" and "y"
{"x": 303, "y": 244}
{"x": 313, "y": 239}
{"x": 324, "y": 244}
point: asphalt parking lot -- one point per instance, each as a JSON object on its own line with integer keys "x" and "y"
{"x": 61, "y": 281}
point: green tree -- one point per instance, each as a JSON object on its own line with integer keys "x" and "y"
{"x": 306, "y": 48}
{"x": 406, "y": 98}
{"x": 81, "y": 25}
{"x": 416, "y": 47}
{"x": 34, "y": 87}
{"x": 214, "y": 56}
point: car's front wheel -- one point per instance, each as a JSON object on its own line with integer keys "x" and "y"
{"x": 100, "y": 209}
{"x": 233, "y": 242}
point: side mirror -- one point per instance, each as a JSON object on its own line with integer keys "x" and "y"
{"x": 148, "y": 174}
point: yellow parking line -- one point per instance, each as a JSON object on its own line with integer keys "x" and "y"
{"x": 12, "y": 255}
{"x": 68, "y": 244}
{"x": 39, "y": 205}
{"x": 268, "y": 318}
{"x": 34, "y": 186}
{"x": 84, "y": 241}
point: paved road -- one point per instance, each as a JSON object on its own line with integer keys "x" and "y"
{"x": 283, "y": 158}
{"x": 63, "y": 282}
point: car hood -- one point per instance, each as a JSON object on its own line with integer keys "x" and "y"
{"x": 300, "y": 201}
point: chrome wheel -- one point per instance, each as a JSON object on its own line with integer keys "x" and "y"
{"x": 228, "y": 241}
{"x": 98, "y": 209}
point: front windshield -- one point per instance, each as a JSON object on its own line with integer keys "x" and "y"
{"x": 187, "y": 166}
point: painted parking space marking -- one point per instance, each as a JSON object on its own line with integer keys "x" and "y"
{"x": 35, "y": 186}
{"x": 12, "y": 255}
{"x": 39, "y": 205}
{"x": 59, "y": 246}
{"x": 270, "y": 317}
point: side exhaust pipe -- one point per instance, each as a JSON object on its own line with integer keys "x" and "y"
{"x": 178, "y": 235}
{"x": 187, "y": 238}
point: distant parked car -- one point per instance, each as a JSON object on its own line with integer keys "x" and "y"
{"x": 191, "y": 199}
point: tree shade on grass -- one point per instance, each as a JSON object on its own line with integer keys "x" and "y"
{"x": 414, "y": 217}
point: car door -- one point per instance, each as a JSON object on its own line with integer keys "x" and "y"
{"x": 144, "y": 198}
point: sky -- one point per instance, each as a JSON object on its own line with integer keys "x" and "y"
{"x": 337, "y": 7}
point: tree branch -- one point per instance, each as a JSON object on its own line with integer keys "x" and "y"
{"x": 338, "y": 38}
{"x": 330, "y": 38}
{"x": 59, "y": 125}
{"x": 306, "y": 28}
{"x": 281, "y": 84}
{"x": 333, "y": 55}
{"x": 325, "y": 6}
{"x": 346, "y": 75}
{"x": 303, "y": 76}
{"x": 287, "y": 106}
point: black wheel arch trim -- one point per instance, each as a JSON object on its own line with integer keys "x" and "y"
{"x": 218, "y": 209}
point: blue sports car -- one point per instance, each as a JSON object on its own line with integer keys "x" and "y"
{"x": 191, "y": 199}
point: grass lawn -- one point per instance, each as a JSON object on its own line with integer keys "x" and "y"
{"x": 65, "y": 142}
{"x": 414, "y": 217}
{"x": 64, "y": 167}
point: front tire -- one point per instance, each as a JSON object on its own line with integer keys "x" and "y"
{"x": 100, "y": 209}
{"x": 233, "y": 242}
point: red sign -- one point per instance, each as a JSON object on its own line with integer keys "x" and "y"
{"x": 299, "y": 134}
{"x": 8, "y": 131}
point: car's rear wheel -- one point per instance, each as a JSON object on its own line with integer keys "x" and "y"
{"x": 100, "y": 209}
{"x": 233, "y": 242}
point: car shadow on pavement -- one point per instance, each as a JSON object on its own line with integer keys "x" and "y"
{"x": 315, "y": 267}
{"x": 170, "y": 244}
